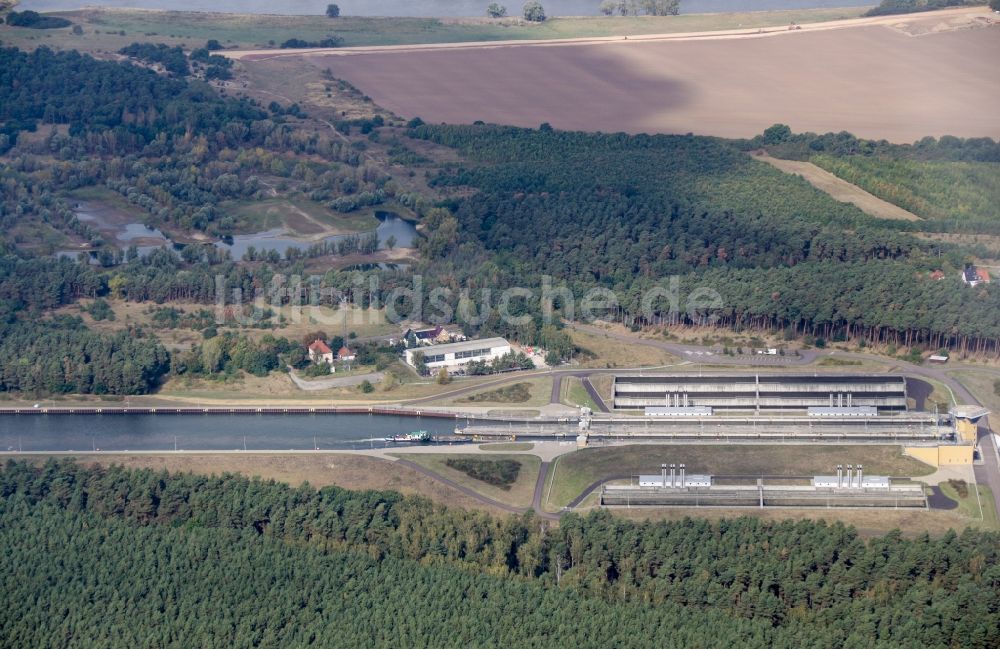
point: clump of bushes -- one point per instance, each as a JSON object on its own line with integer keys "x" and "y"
{"x": 172, "y": 59}
{"x": 892, "y": 7}
{"x": 517, "y": 393}
{"x": 499, "y": 473}
{"x": 298, "y": 43}
{"x": 35, "y": 20}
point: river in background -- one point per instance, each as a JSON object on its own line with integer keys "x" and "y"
{"x": 27, "y": 433}
{"x": 424, "y": 8}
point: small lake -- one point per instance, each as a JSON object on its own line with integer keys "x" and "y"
{"x": 424, "y": 8}
{"x": 113, "y": 227}
{"x": 29, "y": 433}
{"x": 390, "y": 225}
{"x": 147, "y": 239}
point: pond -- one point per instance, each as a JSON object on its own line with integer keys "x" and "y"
{"x": 27, "y": 433}
{"x": 116, "y": 229}
{"x": 424, "y": 8}
{"x": 146, "y": 239}
{"x": 390, "y": 225}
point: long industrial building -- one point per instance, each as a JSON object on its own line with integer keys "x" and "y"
{"x": 680, "y": 490}
{"x": 760, "y": 392}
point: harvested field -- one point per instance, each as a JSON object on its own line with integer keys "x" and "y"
{"x": 841, "y": 190}
{"x": 875, "y": 80}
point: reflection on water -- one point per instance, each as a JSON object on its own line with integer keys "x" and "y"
{"x": 423, "y": 8}
{"x": 109, "y": 221}
{"x": 390, "y": 225}
{"x": 147, "y": 239}
{"x": 103, "y": 218}
{"x": 208, "y": 432}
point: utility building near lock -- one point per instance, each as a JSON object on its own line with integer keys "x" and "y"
{"x": 678, "y": 478}
{"x": 850, "y": 489}
{"x": 820, "y": 395}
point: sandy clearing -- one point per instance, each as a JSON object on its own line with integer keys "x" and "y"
{"x": 872, "y": 80}
{"x": 840, "y": 190}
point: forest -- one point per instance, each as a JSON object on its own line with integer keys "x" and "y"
{"x": 342, "y": 568}
{"x": 609, "y": 211}
{"x": 949, "y": 182}
{"x": 949, "y": 196}
{"x": 62, "y": 356}
{"x": 134, "y": 104}
{"x": 173, "y": 147}
{"x": 626, "y": 212}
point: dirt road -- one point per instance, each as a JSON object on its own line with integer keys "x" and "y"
{"x": 963, "y": 13}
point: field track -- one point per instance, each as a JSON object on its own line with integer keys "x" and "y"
{"x": 767, "y": 32}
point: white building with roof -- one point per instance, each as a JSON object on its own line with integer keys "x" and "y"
{"x": 456, "y": 355}
{"x": 688, "y": 481}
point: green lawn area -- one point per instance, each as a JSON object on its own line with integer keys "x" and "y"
{"x": 116, "y": 207}
{"x": 574, "y": 394}
{"x": 506, "y": 447}
{"x": 573, "y": 472}
{"x": 342, "y": 372}
{"x": 102, "y": 194}
{"x": 191, "y": 29}
{"x": 298, "y": 215}
{"x": 538, "y": 391}
{"x": 520, "y": 493}
{"x": 969, "y": 506}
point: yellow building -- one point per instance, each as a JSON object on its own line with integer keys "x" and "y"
{"x": 966, "y": 424}
{"x": 967, "y": 421}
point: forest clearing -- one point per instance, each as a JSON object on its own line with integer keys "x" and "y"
{"x": 841, "y": 190}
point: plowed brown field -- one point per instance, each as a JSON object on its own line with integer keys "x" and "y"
{"x": 874, "y": 80}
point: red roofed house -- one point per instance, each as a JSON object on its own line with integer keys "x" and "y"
{"x": 320, "y": 352}
{"x": 937, "y": 275}
{"x": 975, "y": 276}
{"x": 345, "y": 354}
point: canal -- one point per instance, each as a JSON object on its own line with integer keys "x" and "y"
{"x": 167, "y": 432}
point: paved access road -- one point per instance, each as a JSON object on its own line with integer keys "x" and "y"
{"x": 594, "y": 394}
